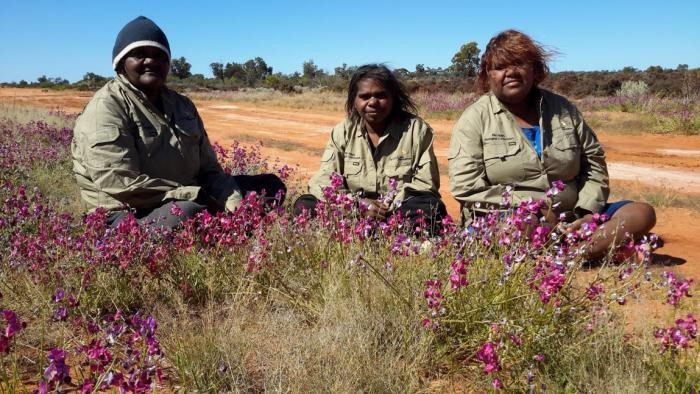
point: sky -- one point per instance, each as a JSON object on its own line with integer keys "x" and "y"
{"x": 70, "y": 38}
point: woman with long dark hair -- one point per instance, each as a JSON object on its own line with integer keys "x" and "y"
{"x": 381, "y": 140}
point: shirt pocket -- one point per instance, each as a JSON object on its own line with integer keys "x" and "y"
{"x": 188, "y": 126}
{"x": 499, "y": 151}
{"x": 400, "y": 168}
{"x": 189, "y": 134}
{"x": 564, "y": 158}
{"x": 354, "y": 174}
{"x": 149, "y": 136}
{"x": 503, "y": 162}
{"x": 352, "y": 167}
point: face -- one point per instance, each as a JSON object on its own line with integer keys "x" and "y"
{"x": 373, "y": 102}
{"x": 146, "y": 68}
{"x": 511, "y": 83}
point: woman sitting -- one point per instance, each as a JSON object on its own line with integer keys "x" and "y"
{"x": 382, "y": 139}
{"x": 525, "y": 137}
{"x": 142, "y": 147}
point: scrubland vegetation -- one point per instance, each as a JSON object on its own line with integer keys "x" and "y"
{"x": 256, "y": 301}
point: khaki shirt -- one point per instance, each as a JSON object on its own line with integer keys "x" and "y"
{"x": 489, "y": 151}
{"x": 126, "y": 152}
{"x": 405, "y": 153}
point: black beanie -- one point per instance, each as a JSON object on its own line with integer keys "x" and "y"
{"x": 141, "y": 32}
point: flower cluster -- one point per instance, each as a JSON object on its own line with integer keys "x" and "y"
{"x": 678, "y": 336}
{"x": 246, "y": 160}
{"x": 123, "y": 354}
{"x": 677, "y": 289}
{"x": 8, "y": 329}
{"x": 433, "y": 296}
{"x": 458, "y": 273}
{"x": 488, "y": 356}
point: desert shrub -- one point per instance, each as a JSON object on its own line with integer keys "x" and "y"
{"x": 633, "y": 89}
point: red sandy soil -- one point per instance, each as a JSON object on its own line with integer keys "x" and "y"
{"x": 297, "y": 137}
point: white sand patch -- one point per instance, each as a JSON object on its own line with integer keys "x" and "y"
{"x": 679, "y": 152}
{"x": 223, "y": 107}
{"x": 687, "y": 181}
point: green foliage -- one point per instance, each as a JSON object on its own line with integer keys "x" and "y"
{"x": 312, "y": 74}
{"x": 91, "y": 81}
{"x": 180, "y": 68}
{"x": 465, "y": 62}
{"x": 217, "y": 69}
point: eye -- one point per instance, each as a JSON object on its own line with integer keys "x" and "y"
{"x": 364, "y": 96}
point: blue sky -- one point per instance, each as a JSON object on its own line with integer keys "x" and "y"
{"x": 69, "y": 38}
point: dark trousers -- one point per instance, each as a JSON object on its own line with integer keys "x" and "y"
{"x": 268, "y": 186}
{"x": 419, "y": 205}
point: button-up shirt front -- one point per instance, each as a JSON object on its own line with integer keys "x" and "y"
{"x": 404, "y": 153}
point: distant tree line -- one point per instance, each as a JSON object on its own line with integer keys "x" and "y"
{"x": 458, "y": 77}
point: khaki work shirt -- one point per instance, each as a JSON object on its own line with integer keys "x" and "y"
{"x": 489, "y": 151}
{"x": 126, "y": 152}
{"x": 405, "y": 152}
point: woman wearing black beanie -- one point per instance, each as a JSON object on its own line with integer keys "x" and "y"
{"x": 142, "y": 147}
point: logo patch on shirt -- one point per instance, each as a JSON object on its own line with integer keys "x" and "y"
{"x": 497, "y": 136}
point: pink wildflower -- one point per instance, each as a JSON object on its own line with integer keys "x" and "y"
{"x": 679, "y": 336}
{"x": 458, "y": 274}
{"x": 676, "y": 289}
{"x": 487, "y": 355}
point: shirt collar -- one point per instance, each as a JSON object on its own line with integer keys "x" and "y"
{"x": 167, "y": 99}
{"x": 497, "y": 107}
{"x": 394, "y": 129}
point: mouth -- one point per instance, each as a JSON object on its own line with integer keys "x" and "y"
{"x": 512, "y": 82}
{"x": 153, "y": 73}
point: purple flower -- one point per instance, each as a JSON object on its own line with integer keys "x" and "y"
{"x": 679, "y": 336}
{"x": 433, "y": 293}
{"x": 458, "y": 273}
{"x": 58, "y": 371}
{"x": 496, "y": 383}
{"x": 594, "y": 290}
{"x": 676, "y": 289}
{"x": 487, "y": 355}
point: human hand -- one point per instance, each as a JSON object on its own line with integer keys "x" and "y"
{"x": 576, "y": 224}
{"x": 375, "y": 208}
{"x": 213, "y": 205}
{"x": 550, "y": 219}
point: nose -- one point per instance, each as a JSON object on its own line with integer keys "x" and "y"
{"x": 510, "y": 70}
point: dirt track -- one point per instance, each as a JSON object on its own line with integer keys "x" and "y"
{"x": 298, "y": 137}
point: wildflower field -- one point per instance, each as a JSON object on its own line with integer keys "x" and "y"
{"x": 255, "y": 301}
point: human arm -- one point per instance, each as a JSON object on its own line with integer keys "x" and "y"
{"x": 331, "y": 162}
{"x": 221, "y": 191}
{"x": 467, "y": 172}
{"x": 425, "y": 175}
{"x": 593, "y": 180}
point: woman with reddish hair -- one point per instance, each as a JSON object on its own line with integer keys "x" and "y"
{"x": 521, "y": 138}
